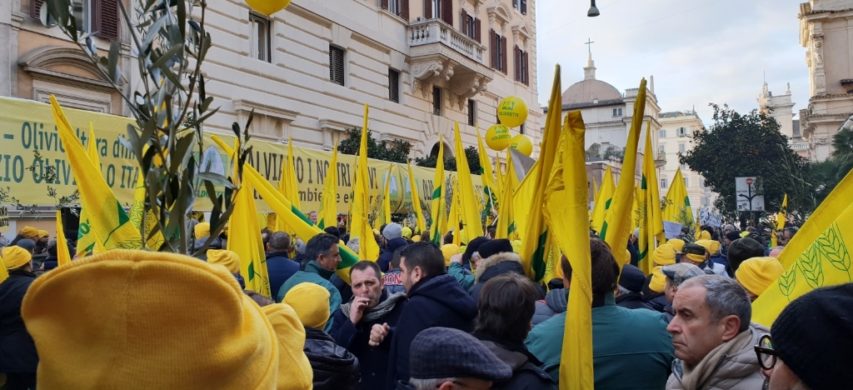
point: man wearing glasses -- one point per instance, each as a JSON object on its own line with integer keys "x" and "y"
{"x": 810, "y": 346}
{"x": 713, "y": 337}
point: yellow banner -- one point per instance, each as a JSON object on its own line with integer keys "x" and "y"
{"x": 30, "y": 148}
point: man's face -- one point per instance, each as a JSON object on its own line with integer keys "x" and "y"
{"x": 466, "y": 383}
{"x": 313, "y": 216}
{"x": 330, "y": 259}
{"x": 784, "y": 238}
{"x": 409, "y": 276}
{"x": 694, "y": 331}
{"x": 365, "y": 284}
{"x": 781, "y": 377}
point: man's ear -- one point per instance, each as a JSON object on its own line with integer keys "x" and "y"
{"x": 446, "y": 385}
{"x": 731, "y": 327}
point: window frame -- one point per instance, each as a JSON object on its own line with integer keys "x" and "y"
{"x": 256, "y": 40}
{"x": 437, "y": 106}
{"x": 472, "y": 112}
{"x": 332, "y": 64}
{"x": 394, "y": 85}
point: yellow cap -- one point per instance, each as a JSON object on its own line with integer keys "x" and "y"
{"x": 15, "y": 257}
{"x": 147, "y": 323}
{"x": 43, "y": 233}
{"x": 416, "y": 238}
{"x": 704, "y": 243}
{"x": 658, "y": 282}
{"x": 757, "y": 273}
{"x": 29, "y": 232}
{"x": 704, "y": 235}
{"x": 291, "y": 339}
{"x": 201, "y": 229}
{"x": 677, "y": 244}
{"x": 406, "y": 232}
{"x": 448, "y": 250}
{"x": 664, "y": 255}
{"x": 311, "y": 303}
{"x": 224, "y": 257}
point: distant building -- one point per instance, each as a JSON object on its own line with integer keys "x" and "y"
{"x": 676, "y": 139}
{"x": 826, "y": 28}
{"x": 780, "y": 108}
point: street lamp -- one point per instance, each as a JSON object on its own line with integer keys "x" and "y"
{"x": 593, "y": 10}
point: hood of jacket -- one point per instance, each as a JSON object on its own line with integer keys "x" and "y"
{"x": 498, "y": 264}
{"x": 557, "y": 299}
{"x": 445, "y": 290}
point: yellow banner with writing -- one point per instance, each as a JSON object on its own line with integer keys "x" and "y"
{"x": 34, "y": 169}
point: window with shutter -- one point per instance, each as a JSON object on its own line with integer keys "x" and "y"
{"x": 336, "y": 64}
{"x": 523, "y": 7}
{"x": 468, "y": 25}
{"x": 447, "y": 11}
{"x": 436, "y": 100}
{"x": 493, "y": 49}
{"x": 383, "y": 4}
{"x": 472, "y": 112}
{"x": 503, "y": 55}
{"x": 393, "y": 85}
{"x": 404, "y": 9}
{"x": 526, "y": 62}
{"x": 35, "y": 8}
{"x": 105, "y": 22}
{"x": 477, "y": 29}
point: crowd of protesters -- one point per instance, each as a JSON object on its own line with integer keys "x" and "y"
{"x": 420, "y": 316}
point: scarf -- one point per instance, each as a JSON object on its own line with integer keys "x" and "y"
{"x": 378, "y": 311}
{"x": 695, "y": 378}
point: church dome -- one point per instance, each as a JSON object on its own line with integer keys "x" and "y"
{"x": 588, "y": 91}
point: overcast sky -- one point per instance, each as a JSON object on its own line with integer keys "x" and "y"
{"x": 699, "y": 51}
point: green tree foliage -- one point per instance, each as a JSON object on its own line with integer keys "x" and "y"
{"x": 749, "y": 145}
{"x": 388, "y": 150}
{"x": 450, "y": 161}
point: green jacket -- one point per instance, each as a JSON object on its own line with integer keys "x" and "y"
{"x": 631, "y": 348}
{"x": 462, "y": 275}
{"x": 313, "y": 274}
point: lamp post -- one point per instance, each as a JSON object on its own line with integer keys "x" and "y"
{"x": 593, "y": 10}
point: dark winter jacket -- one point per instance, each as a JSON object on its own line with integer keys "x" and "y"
{"x": 280, "y": 268}
{"x": 495, "y": 265}
{"x": 555, "y": 302}
{"x": 373, "y": 360}
{"x": 388, "y": 252}
{"x": 632, "y": 301}
{"x": 334, "y": 367}
{"x": 17, "y": 350}
{"x": 527, "y": 373}
{"x": 434, "y": 301}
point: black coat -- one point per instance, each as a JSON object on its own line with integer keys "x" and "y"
{"x": 334, "y": 367}
{"x": 435, "y": 301}
{"x": 372, "y": 360}
{"x": 527, "y": 373}
{"x": 632, "y": 301}
{"x": 280, "y": 268}
{"x": 17, "y": 350}
{"x": 388, "y": 252}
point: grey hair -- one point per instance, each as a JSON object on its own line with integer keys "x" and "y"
{"x": 724, "y": 296}
{"x": 428, "y": 384}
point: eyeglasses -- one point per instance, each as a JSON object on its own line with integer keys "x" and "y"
{"x": 765, "y": 352}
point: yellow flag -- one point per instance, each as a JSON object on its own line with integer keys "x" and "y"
{"x": 386, "y": 197}
{"x": 499, "y": 179}
{"x": 329, "y": 214}
{"x": 568, "y": 222}
{"x": 651, "y": 225}
{"x": 86, "y": 242}
{"x": 602, "y": 201}
{"x": 677, "y": 208}
{"x": 287, "y": 184}
{"x": 437, "y": 204}
{"x": 455, "y": 215}
{"x": 292, "y": 216}
{"x": 617, "y": 224}
{"x": 536, "y": 233}
{"x": 244, "y": 238}
{"x": 63, "y": 257}
{"x": 360, "y": 229}
{"x": 469, "y": 207}
{"x": 522, "y": 198}
{"x": 108, "y": 220}
{"x": 781, "y": 216}
{"x": 490, "y": 192}
{"x": 416, "y": 201}
{"x": 824, "y": 261}
{"x": 506, "y": 220}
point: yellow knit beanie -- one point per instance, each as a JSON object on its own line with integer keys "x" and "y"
{"x": 658, "y": 282}
{"x": 406, "y": 232}
{"x": 155, "y": 320}
{"x": 29, "y": 232}
{"x": 293, "y": 366}
{"x": 311, "y": 303}
{"x": 677, "y": 244}
{"x": 757, "y": 273}
{"x": 201, "y": 229}
{"x": 15, "y": 257}
{"x": 449, "y": 250}
{"x": 664, "y": 255}
{"x": 43, "y": 233}
{"x": 229, "y": 259}
{"x": 704, "y": 235}
{"x": 416, "y": 238}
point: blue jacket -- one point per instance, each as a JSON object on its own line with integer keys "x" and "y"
{"x": 373, "y": 360}
{"x": 313, "y": 274}
{"x": 280, "y": 268}
{"x": 17, "y": 350}
{"x": 384, "y": 260}
{"x": 434, "y": 301}
{"x": 631, "y": 348}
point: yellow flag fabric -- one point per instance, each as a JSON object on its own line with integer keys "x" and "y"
{"x": 287, "y": 184}
{"x": 329, "y": 214}
{"x": 86, "y": 242}
{"x": 360, "y": 228}
{"x": 603, "y": 200}
{"x": 535, "y": 235}
{"x": 506, "y": 220}
{"x": 781, "y": 216}
{"x": 568, "y": 221}
{"x": 386, "y": 198}
{"x": 617, "y": 223}
{"x": 677, "y": 208}
{"x": 637, "y": 208}
{"x": 825, "y": 261}
{"x": 437, "y": 205}
{"x": 244, "y": 238}
{"x": 63, "y": 256}
{"x": 522, "y": 198}
{"x": 469, "y": 205}
{"x": 108, "y": 221}
{"x": 651, "y": 224}
{"x": 499, "y": 179}
{"x": 416, "y": 201}
{"x": 4, "y": 273}
{"x": 490, "y": 191}
{"x": 455, "y": 215}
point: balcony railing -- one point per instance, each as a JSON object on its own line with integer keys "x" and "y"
{"x": 432, "y": 31}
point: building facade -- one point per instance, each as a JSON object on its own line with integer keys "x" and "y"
{"x": 676, "y": 139}
{"x": 781, "y": 108}
{"x": 826, "y": 32}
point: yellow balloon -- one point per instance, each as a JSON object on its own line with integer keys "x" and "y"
{"x": 522, "y": 144}
{"x": 512, "y": 111}
{"x": 267, "y": 7}
{"x": 498, "y": 137}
